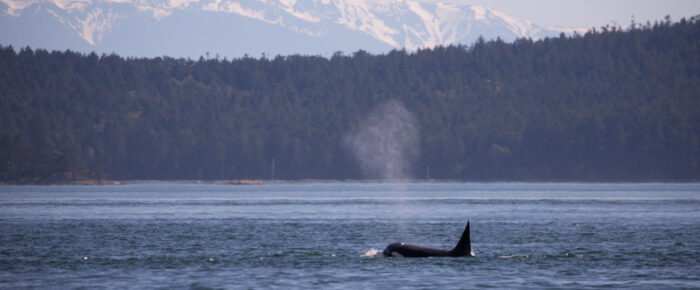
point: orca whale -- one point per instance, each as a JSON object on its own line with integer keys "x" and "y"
{"x": 463, "y": 248}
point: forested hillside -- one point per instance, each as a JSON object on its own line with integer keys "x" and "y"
{"x": 608, "y": 105}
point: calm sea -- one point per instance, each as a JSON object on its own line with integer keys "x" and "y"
{"x": 328, "y": 235}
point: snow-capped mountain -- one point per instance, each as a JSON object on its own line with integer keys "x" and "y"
{"x": 193, "y": 27}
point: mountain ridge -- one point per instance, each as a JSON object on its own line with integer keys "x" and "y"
{"x": 388, "y": 24}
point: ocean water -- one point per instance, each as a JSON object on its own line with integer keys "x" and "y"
{"x": 329, "y": 235}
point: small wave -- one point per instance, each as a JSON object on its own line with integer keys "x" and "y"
{"x": 371, "y": 253}
{"x": 513, "y": 256}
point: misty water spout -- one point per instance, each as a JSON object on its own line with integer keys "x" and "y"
{"x": 385, "y": 143}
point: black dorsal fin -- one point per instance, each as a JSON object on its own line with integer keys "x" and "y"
{"x": 464, "y": 246}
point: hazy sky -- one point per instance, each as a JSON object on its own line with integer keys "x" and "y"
{"x": 589, "y": 13}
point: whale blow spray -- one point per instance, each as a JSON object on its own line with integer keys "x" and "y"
{"x": 385, "y": 143}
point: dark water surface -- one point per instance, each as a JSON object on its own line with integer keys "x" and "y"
{"x": 327, "y": 235}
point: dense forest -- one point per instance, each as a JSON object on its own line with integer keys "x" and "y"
{"x": 610, "y": 105}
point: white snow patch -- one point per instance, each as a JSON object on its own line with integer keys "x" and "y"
{"x": 15, "y": 6}
{"x": 431, "y": 37}
{"x": 519, "y": 26}
{"x": 59, "y": 17}
{"x": 180, "y": 4}
{"x": 95, "y": 25}
{"x": 479, "y": 12}
{"x": 70, "y": 5}
{"x": 159, "y": 10}
{"x": 426, "y": 16}
{"x": 306, "y": 16}
{"x": 288, "y": 3}
{"x": 440, "y": 27}
{"x": 236, "y": 8}
{"x": 357, "y": 15}
{"x": 158, "y": 13}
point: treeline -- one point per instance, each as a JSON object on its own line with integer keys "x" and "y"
{"x": 607, "y": 105}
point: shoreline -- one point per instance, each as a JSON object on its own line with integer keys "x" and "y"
{"x": 140, "y": 181}
{"x": 248, "y": 182}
